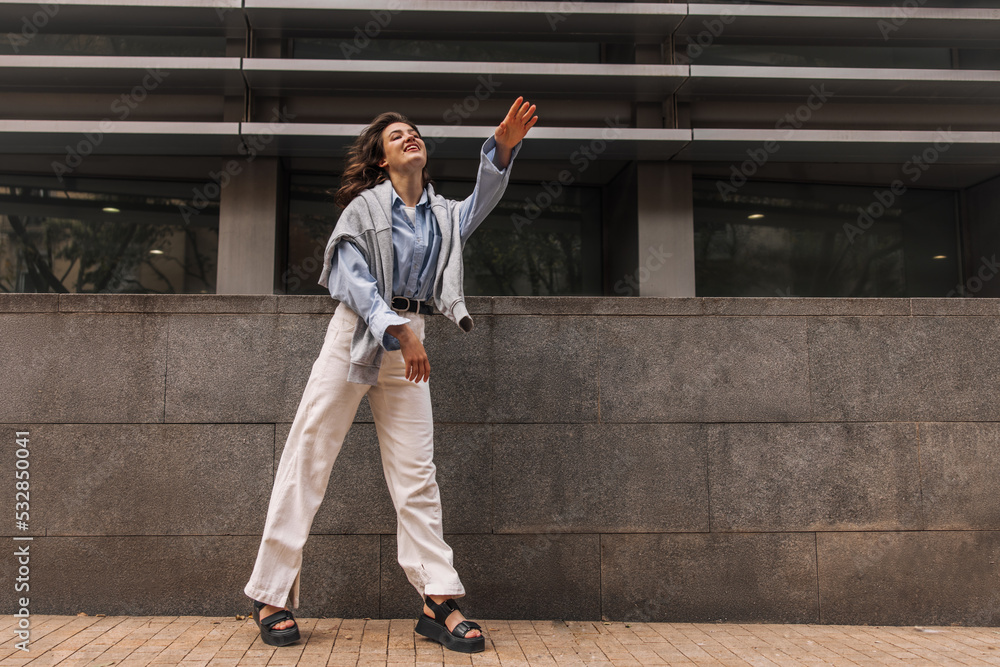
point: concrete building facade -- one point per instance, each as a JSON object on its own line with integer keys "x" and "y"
{"x": 690, "y": 454}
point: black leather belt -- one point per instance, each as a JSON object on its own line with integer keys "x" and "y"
{"x": 411, "y": 305}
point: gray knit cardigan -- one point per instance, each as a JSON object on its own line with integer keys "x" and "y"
{"x": 367, "y": 222}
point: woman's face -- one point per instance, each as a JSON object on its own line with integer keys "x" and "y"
{"x": 404, "y": 150}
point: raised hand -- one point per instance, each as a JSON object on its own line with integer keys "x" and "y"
{"x": 520, "y": 118}
{"x": 512, "y": 129}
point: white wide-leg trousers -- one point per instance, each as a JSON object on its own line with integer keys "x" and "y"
{"x": 404, "y": 423}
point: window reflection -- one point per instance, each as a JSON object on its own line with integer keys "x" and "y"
{"x": 105, "y": 236}
{"x": 446, "y": 50}
{"x": 537, "y": 248}
{"x": 552, "y": 250}
{"x": 889, "y": 57}
{"x": 816, "y": 56}
{"x": 794, "y": 239}
{"x": 311, "y": 218}
{"x": 44, "y": 44}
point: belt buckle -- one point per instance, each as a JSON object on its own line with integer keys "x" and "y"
{"x": 405, "y": 298}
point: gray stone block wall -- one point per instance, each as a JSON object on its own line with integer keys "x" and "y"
{"x": 774, "y": 459}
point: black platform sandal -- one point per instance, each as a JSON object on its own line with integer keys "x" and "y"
{"x": 435, "y": 628}
{"x": 268, "y": 634}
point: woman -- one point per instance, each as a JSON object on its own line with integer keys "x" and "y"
{"x": 394, "y": 257}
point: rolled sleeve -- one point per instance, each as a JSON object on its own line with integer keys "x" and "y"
{"x": 351, "y": 282}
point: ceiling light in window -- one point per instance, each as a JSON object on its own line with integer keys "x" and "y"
{"x": 111, "y": 209}
{"x": 940, "y": 257}
{"x": 155, "y": 251}
{"x": 755, "y": 216}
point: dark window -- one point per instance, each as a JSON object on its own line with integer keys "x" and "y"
{"x": 102, "y": 235}
{"x": 531, "y": 244}
{"x": 797, "y": 239}
{"x": 979, "y": 58}
{"x": 816, "y": 56}
{"x": 311, "y": 217}
{"x": 42, "y": 44}
{"x": 446, "y": 50}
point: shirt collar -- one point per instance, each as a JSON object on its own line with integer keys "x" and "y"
{"x": 396, "y": 197}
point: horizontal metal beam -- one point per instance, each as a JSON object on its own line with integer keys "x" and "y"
{"x": 858, "y": 25}
{"x": 504, "y": 19}
{"x": 942, "y": 85}
{"x": 120, "y": 17}
{"x": 577, "y": 146}
{"x": 924, "y": 148}
{"x": 275, "y": 76}
{"x": 585, "y": 144}
{"x": 432, "y": 18}
{"x": 79, "y": 138}
{"x": 121, "y": 74}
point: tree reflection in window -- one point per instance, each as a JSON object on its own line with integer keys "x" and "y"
{"x": 104, "y": 237}
{"x": 801, "y": 239}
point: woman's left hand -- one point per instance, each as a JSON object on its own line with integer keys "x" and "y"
{"x": 520, "y": 118}
{"x": 512, "y": 129}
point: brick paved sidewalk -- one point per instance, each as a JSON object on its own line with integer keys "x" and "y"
{"x": 197, "y": 641}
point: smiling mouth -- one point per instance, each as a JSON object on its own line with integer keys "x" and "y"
{"x": 411, "y": 147}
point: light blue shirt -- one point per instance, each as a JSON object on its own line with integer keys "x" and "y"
{"x": 415, "y": 248}
{"x": 421, "y": 240}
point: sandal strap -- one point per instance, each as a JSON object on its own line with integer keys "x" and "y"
{"x": 441, "y": 610}
{"x": 444, "y": 609}
{"x": 274, "y": 619}
{"x": 463, "y": 628}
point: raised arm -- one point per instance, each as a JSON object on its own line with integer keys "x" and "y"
{"x": 512, "y": 129}
{"x": 496, "y": 156}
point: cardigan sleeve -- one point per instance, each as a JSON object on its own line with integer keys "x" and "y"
{"x": 351, "y": 282}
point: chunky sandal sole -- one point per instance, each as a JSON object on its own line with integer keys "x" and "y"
{"x": 276, "y": 637}
{"x": 271, "y": 640}
{"x": 431, "y": 629}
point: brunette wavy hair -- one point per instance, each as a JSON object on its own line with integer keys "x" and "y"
{"x": 361, "y": 170}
